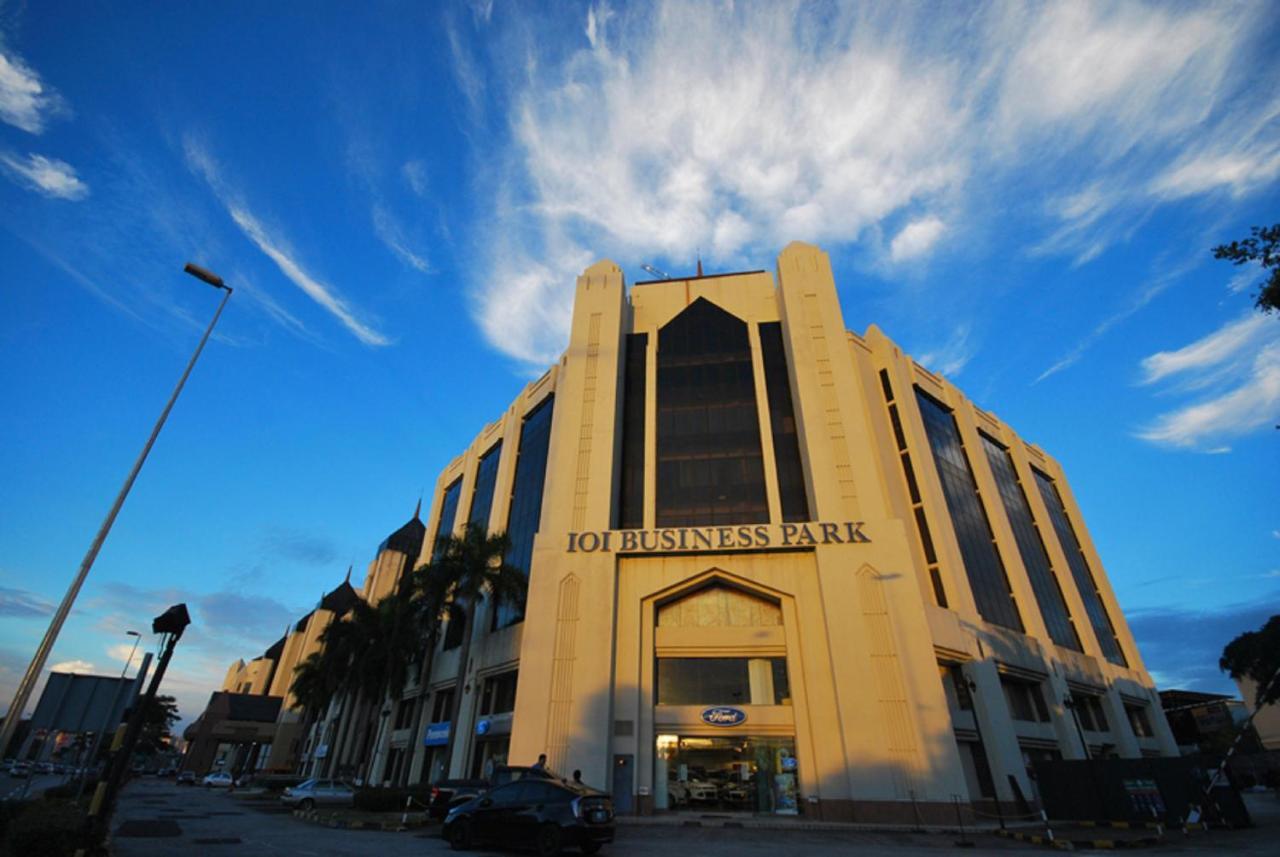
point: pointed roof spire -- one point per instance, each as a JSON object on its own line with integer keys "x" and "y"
{"x": 417, "y": 511}
{"x": 699, "y": 263}
{"x": 349, "y": 567}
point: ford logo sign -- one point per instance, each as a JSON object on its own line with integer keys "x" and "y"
{"x": 723, "y": 715}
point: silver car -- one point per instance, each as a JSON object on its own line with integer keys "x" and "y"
{"x": 313, "y": 793}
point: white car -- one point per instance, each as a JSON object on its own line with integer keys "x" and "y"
{"x": 220, "y": 780}
{"x": 313, "y": 793}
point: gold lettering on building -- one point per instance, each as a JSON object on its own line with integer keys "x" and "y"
{"x": 736, "y": 538}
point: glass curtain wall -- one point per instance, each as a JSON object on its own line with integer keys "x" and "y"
{"x": 1080, "y": 572}
{"x": 1044, "y": 582}
{"x": 482, "y": 496}
{"x": 526, "y": 498}
{"x": 982, "y": 563}
{"x": 448, "y": 515}
{"x": 782, "y": 420}
{"x": 631, "y": 482}
{"x": 710, "y": 468}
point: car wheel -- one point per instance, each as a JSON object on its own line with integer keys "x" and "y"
{"x": 590, "y": 848}
{"x": 306, "y": 804}
{"x": 548, "y": 842}
{"x": 460, "y": 835}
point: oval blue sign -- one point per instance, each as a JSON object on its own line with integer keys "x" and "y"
{"x": 723, "y": 715}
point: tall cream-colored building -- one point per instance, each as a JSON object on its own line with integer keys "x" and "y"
{"x": 774, "y": 566}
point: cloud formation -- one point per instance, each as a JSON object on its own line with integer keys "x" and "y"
{"x": 73, "y": 666}
{"x": 784, "y": 121}
{"x": 20, "y": 603}
{"x": 26, "y": 102}
{"x": 48, "y": 176}
{"x": 1235, "y": 373}
{"x": 277, "y": 250}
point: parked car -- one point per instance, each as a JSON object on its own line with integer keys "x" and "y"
{"x": 445, "y": 794}
{"x": 549, "y": 814}
{"x": 44, "y": 767}
{"x": 313, "y": 793}
{"x": 186, "y": 778}
{"x": 20, "y": 771}
{"x": 219, "y": 780}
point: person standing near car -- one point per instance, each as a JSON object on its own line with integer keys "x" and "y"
{"x": 541, "y": 764}
{"x": 577, "y": 777}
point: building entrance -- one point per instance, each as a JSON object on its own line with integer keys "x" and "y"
{"x": 738, "y": 773}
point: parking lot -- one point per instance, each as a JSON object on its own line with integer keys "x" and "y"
{"x": 156, "y": 817}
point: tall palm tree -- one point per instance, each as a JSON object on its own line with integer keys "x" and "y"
{"x": 465, "y": 570}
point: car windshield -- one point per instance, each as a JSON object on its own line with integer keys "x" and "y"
{"x": 305, "y": 784}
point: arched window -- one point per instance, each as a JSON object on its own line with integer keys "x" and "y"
{"x": 710, "y": 468}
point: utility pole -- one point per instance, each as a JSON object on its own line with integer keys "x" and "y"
{"x": 171, "y": 623}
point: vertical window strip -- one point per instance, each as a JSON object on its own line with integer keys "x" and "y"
{"x": 913, "y": 491}
{"x": 1035, "y": 558}
{"x": 786, "y": 440}
{"x": 983, "y": 565}
{"x": 486, "y": 478}
{"x": 527, "y": 490}
{"x": 1103, "y": 628}
{"x": 710, "y": 464}
{"x": 448, "y": 515}
{"x": 631, "y": 471}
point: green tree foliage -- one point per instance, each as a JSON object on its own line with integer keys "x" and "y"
{"x": 466, "y": 570}
{"x": 157, "y": 724}
{"x": 1256, "y": 655}
{"x": 1263, "y": 247}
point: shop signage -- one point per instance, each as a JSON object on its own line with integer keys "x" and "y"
{"x": 723, "y": 715}
{"x": 483, "y": 727}
{"x": 322, "y": 751}
{"x": 437, "y": 734}
{"x": 687, "y": 539}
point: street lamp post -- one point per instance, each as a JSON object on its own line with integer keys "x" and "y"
{"x": 106, "y": 719}
{"x": 28, "y": 683}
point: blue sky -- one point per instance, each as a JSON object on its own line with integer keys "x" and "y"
{"x": 1024, "y": 196}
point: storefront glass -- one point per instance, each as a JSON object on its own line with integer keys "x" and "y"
{"x": 742, "y": 773}
{"x": 489, "y": 754}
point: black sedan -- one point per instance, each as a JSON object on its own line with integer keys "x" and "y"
{"x": 547, "y": 814}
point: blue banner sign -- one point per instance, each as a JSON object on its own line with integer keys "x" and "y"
{"x": 723, "y": 715}
{"x": 437, "y": 734}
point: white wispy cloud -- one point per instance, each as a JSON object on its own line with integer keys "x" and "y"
{"x": 72, "y": 666}
{"x": 277, "y": 249}
{"x": 916, "y": 238}
{"x": 26, "y": 102}
{"x": 783, "y": 121}
{"x": 952, "y": 356}
{"x": 391, "y": 234}
{"x": 1239, "y": 365}
{"x": 415, "y": 175}
{"x": 1210, "y": 351}
{"x": 48, "y": 176}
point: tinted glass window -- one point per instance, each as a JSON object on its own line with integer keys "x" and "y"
{"x": 536, "y": 792}
{"x": 723, "y": 681}
{"x": 631, "y": 474}
{"x": 1044, "y": 582}
{"x": 1085, "y": 585}
{"x": 526, "y": 498}
{"x": 482, "y": 496}
{"x": 448, "y": 515}
{"x": 509, "y": 793}
{"x": 982, "y": 561}
{"x": 782, "y": 421}
{"x": 710, "y": 469}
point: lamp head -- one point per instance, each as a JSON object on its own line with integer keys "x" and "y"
{"x": 172, "y": 621}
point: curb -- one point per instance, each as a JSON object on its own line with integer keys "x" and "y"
{"x": 314, "y": 816}
{"x": 1071, "y": 844}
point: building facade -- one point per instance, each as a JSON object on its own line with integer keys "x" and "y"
{"x": 773, "y": 566}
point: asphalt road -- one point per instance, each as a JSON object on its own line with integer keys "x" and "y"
{"x": 198, "y": 821}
